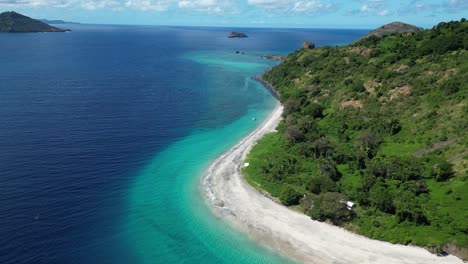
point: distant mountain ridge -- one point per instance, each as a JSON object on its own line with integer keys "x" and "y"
{"x": 47, "y": 21}
{"x": 15, "y": 22}
{"x": 392, "y": 28}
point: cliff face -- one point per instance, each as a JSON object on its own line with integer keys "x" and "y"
{"x": 14, "y": 22}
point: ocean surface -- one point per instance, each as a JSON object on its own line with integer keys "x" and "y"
{"x": 105, "y": 133}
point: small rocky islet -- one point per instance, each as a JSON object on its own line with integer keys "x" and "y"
{"x": 237, "y": 35}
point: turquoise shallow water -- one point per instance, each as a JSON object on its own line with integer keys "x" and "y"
{"x": 168, "y": 219}
{"x": 106, "y": 131}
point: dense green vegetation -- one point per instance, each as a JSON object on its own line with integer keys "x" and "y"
{"x": 382, "y": 123}
{"x": 14, "y": 22}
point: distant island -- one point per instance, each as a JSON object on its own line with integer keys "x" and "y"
{"x": 57, "y": 22}
{"x": 18, "y": 23}
{"x": 237, "y": 35}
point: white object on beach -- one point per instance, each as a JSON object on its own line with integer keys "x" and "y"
{"x": 349, "y": 204}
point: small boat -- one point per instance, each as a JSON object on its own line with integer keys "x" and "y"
{"x": 253, "y": 119}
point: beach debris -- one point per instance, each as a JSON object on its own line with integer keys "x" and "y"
{"x": 218, "y": 203}
{"x": 246, "y": 164}
{"x": 442, "y": 254}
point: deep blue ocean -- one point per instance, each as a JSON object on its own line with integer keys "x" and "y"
{"x": 106, "y": 131}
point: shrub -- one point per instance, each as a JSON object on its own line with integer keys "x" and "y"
{"x": 290, "y": 196}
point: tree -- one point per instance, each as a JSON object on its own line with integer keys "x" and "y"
{"x": 320, "y": 184}
{"x": 290, "y": 196}
{"x": 330, "y": 206}
{"x": 393, "y": 126}
{"x": 323, "y": 147}
{"x": 404, "y": 169}
{"x": 442, "y": 170}
{"x": 327, "y": 168}
{"x": 369, "y": 142}
{"x": 294, "y": 134}
{"x": 315, "y": 185}
{"x": 378, "y": 167}
{"x": 381, "y": 198}
{"x": 408, "y": 208}
{"x": 309, "y": 127}
{"x": 291, "y": 106}
{"x": 417, "y": 187}
{"x": 367, "y": 181}
{"x": 315, "y": 110}
{"x": 278, "y": 166}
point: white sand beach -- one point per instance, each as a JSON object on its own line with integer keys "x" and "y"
{"x": 289, "y": 232}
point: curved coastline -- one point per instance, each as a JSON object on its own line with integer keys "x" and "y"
{"x": 288, "y": 232}
{"x": 268, "y": 86}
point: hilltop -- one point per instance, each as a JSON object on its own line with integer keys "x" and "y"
{"x": 393, "y": 28}
{"x": 15, "y": 22}
{"x": 381, "y": 123}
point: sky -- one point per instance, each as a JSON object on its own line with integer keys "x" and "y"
{"x": 245, "y": 13}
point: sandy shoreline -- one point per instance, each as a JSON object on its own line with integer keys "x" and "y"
{"x": 289, "y": 232}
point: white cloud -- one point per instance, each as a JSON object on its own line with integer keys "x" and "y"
{"x": 456, "y": 4}
{"x": 149, "y": 5}
{"x": 36, "y": 3}
{"x": 312, "y": 6}
{"x": 210, "y": 6}
{"x": 375, "y": 9}
{"x": 93, "y": 5}
{"x": 418, "y": 6}
{"x": 293, "y": 5}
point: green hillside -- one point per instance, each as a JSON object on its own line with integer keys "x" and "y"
{"x": 14, "y": 22}
{"x": 381, "y": 123}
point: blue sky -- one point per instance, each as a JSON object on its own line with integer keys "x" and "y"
{"x": 245, "y": 13}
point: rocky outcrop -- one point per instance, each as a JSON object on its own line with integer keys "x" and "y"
{"x": 308, "y": 45}
{"x": 274, "y": 57}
